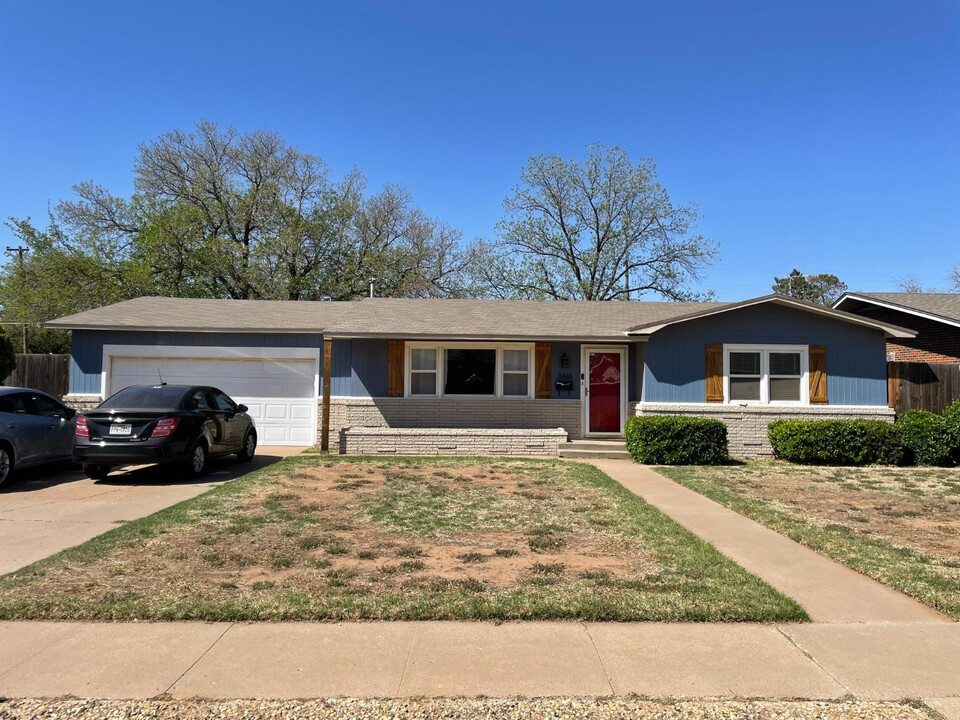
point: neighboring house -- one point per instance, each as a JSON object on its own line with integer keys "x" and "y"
{"x": 934, "y": 316}
{"x": 456, "y": 376}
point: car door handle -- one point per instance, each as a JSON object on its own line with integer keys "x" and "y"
{"x": 12, "y": 425}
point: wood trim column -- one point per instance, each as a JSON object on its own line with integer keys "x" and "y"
{"x": 325, "y": 414}
{"x": 396, "y": 350}
{"x": 542, "y": 365}
{"x": 714, "y": 372}
{"x": 817, "y": 358}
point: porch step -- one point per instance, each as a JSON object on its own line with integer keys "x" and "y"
{"x": 602, "y": 449}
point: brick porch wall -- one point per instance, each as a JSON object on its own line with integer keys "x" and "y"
{"x": 452, "y": 413}
{"x": 451, "y": 441}
{"x": 747, "y": 424}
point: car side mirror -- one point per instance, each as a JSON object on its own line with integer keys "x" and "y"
{"x": 69, "y": 414}
{"x": 242, "y": 408}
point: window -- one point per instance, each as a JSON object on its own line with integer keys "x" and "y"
{"x": 745, "y": 377}
{"x": 46, "y": 407}
{"x": 774, "y": 374}
{"x": 516, "y": 372}
{"x": 223, "y": 403}
{"x": 423, "y": 371}
{"x": 469, "y": 369}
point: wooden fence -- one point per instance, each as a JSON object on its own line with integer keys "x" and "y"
{"x": 922, "y": 386}
{"x": 50, "y": 373}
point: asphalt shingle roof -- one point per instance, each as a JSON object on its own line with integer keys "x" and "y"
{"x": 411, "y": 318}
{"x": 164, "y": 313}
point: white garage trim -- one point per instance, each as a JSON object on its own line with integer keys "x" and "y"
{"x": 201, "y": 352}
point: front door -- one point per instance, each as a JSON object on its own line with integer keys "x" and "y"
{"x": 604, "y": 391}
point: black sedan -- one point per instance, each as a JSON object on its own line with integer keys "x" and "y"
{"x": 186, "y": 424}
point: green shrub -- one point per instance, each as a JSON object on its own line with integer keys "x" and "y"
{"x": 668, "y": 440}
{"x": 836, "y": 442}
{"x": 930, "y": 439}
{"x": 951, "y": 417}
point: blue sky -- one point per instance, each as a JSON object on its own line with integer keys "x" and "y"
{"x": 816, "y": 134}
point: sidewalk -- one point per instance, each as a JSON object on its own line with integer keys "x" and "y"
{"x": 878, "y": 661}
{"x": 828, "y": 591}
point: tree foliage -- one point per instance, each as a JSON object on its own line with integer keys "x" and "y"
{"x": 8, "y": 355}
{"x": 217, "y": 213}
{"x": 601, "y": 230}
{"x": 823, "y": 289}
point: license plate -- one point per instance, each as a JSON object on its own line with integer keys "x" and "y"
{"x": 121, "y": 429}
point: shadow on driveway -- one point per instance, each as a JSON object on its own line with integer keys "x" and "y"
{"x": 219, "y": 470}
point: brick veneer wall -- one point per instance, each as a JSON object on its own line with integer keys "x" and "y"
{"x": 452, "y": 413}
{"x": 451, "y": 441}
{"x": 81, "y": 403}
{"x": 747, "y": 424}
{"x": 935, "y": 342}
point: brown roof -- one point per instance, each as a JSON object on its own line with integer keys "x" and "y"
{"x": 942, "y": 305}
{"x": 185, "y": 314}
{"x": 420, "y": 318}
{"x": 534, "y": 319}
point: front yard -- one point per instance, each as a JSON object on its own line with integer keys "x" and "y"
{"x": 317, "y": 538}
{"x": 900, "y": 526}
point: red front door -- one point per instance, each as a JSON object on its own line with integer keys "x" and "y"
{"x": 603, "y": 400}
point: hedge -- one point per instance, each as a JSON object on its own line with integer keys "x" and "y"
{"x": 836, "y": 442}
{"x": 669, "y": 440}
{"x": 931, "y": 439}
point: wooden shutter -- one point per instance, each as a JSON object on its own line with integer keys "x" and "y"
{"x": 542, "y": 365}
{"x": 714, "y": 372}
{"x": 395, "y": 353}
{"x": 818, "y": 374}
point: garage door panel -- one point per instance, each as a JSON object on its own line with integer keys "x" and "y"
{"x": 280, "y": 394}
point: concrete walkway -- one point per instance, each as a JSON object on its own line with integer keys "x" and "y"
{"x": 297, "y": 660}
{"x": 44, "y": 511}
{"x": 829, "y": 591}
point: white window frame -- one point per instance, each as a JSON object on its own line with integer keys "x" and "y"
{"x": 441, "y": 349}
{"x": 765, "y": 350}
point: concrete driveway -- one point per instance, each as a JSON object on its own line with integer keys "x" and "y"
{"x": 44, "y": 511}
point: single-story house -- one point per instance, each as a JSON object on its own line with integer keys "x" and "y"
{"x": 935, "y": 317}
{"x": 488, "y": 376}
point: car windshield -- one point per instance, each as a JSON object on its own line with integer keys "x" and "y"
{"x": 131, "y": 398}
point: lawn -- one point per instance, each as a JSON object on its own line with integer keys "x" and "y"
{"x": 900, "y": 526}
{"x": 318, "y": 538}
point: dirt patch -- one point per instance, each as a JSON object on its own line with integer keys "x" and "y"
{"x": 916, "y": 508}
{"x": 371, "y": 528}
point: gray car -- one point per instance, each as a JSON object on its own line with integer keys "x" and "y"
{"x": 35, "y": 428}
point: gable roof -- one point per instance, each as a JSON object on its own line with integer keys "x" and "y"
{"x": 776, "y": 299}
{"x": 205, "y": 315}
{"x": 401, "y": 318}
{"x": 942, "y": 307}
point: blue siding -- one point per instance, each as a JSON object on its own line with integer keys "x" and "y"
{"x": 359, "y": 368}
{"x": 86, "y": 348}
{"x": 856, "y": 356}
{"x": 572, "y": 351}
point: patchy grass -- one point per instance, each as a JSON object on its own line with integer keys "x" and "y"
{"x": 330, "y": 538}
{"x": 900, "y": 526}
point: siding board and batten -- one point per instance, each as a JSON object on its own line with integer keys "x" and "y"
{"x": 855, "y": 362}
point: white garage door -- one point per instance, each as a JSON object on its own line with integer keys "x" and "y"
{"x": 281, "y": 394}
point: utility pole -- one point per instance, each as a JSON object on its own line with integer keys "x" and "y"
{"x": 20, "y": 251}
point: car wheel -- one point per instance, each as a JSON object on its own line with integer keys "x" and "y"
{"x": 197, "y": 463}
{"x": 249, "y": 447}
{"x": 6, "y": 464}
{"x": 97, "y": 472}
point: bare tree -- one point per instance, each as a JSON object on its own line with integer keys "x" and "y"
{"x": 603, "y": 230}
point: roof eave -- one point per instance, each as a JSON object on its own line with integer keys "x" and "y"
{"x": 896, "y": 306}
{"x": 890, "y": 330}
